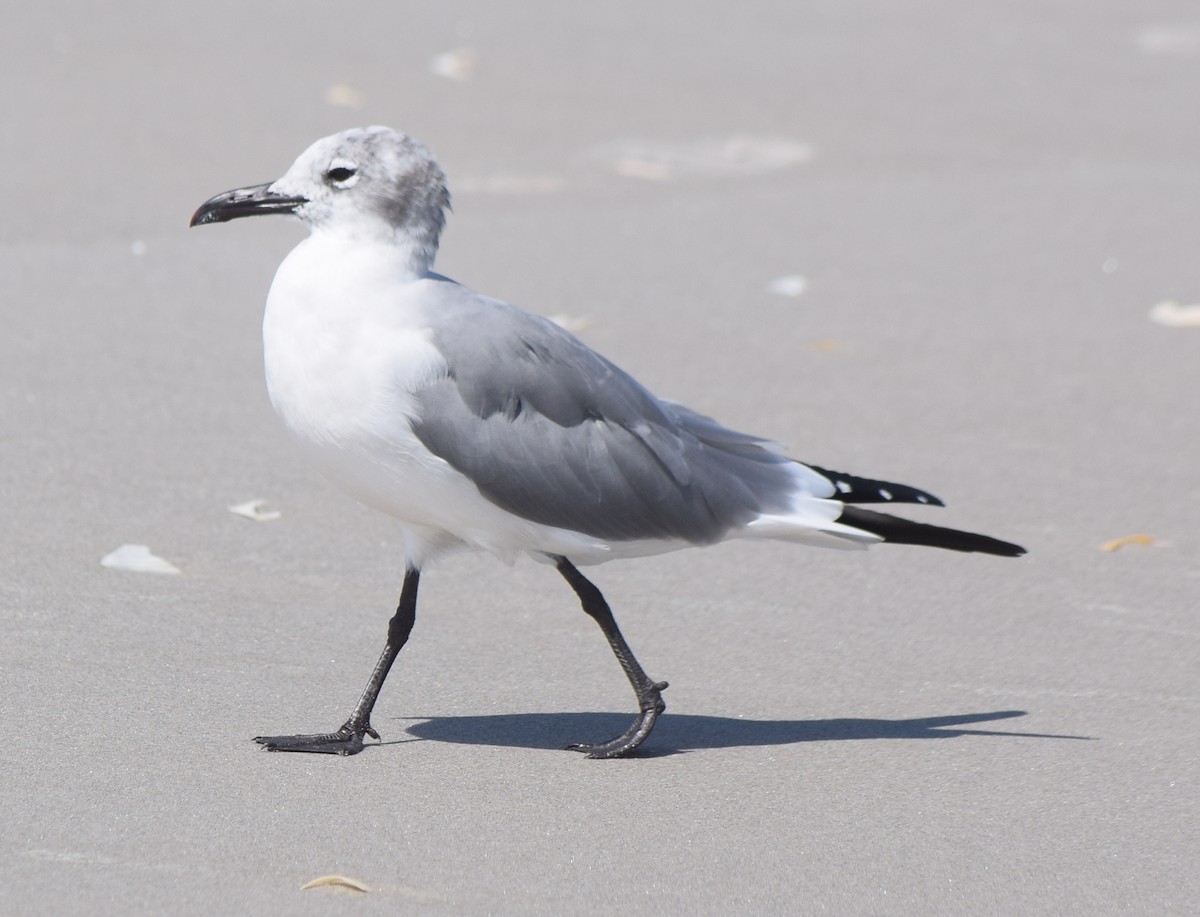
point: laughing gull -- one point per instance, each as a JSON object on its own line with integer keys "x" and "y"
{"x": 478, "y": 425}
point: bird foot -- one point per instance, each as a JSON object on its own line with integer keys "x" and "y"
{"x": 348, "y": 740}
{"x": 652, "y": 704}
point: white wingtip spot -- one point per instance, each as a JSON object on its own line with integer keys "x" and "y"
{"x": 843, "y": 487}
{"x": 921, "y": 498}
{"x": 886, "y": 494}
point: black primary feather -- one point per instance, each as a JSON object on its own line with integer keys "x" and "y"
{"x": 895, "y": 530}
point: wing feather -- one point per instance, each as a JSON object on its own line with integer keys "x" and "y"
{"x": 551, "y": 431}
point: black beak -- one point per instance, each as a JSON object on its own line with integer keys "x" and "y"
{"x": 245, "y": 202}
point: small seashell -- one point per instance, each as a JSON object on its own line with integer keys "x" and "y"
{"x": 253, "y": 509}
{"x": 136, "y": 558}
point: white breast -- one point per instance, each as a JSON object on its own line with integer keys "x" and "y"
{"x": 345, "y": 346}
{"x": 344, "y": 349}
{"x": 343, "y": 340}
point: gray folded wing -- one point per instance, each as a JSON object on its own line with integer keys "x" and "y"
{"x": 551, "y": 431}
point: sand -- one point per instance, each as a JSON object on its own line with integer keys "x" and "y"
{"x": 920, "y": 242}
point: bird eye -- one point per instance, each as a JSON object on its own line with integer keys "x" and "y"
{"x": 341, "y": 174}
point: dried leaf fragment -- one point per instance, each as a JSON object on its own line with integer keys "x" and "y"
{"x": 1118, "y": 543}
{"x": 336, "y": 882}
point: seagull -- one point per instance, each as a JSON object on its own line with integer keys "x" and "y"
{"x": 478, "y": 425}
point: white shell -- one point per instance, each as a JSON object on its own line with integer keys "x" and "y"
{"x": 137, "y": 558}
{"x": 253, "y": 509}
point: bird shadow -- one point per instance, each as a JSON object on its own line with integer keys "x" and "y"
{"x": 679, "y": 733}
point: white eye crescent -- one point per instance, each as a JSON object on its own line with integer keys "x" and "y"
{"x": 342, "y": 173}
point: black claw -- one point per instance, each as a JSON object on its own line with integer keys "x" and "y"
{"x": 346, "y": 741}
{"x": 620, "y": 747}
{"x": 652, "y": 706}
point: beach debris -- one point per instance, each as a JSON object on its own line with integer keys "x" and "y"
{"x": 789, "y": 285}
{"x": 335, "y": 882}
{"x": 1117, "y": 543}
{"x": 722, "y": 157}
{"x": 340, "y": 95}
{"x": 253, "y": 509}
{"x": 136, "y": 558}
{"x": 458, "y": 64}
{"x": 1175, "y": 315}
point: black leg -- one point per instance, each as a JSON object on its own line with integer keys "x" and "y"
{"x": 348, "y": 740}
{"x": 650, "y": 702}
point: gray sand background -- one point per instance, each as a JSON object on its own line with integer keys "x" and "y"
{"x": 985, "y": 201}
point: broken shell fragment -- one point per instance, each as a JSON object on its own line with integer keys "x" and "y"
{"x": 253, "y": 509}
{"x": 136, "y": 558}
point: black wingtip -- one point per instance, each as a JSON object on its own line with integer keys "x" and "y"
{"x": 895, "y": 530}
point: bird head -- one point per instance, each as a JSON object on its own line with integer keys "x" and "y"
{"x": 365, "y": 182}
